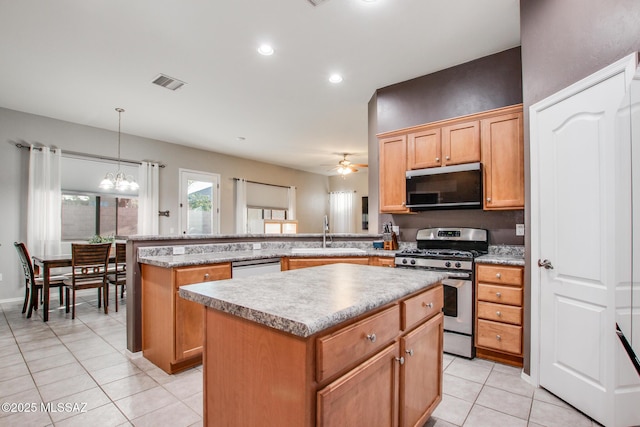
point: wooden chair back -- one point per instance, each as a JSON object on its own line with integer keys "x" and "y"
{"x": 25, "y": 261}
{"x": 89, "y": 262}
{"x": 121, "y": 257}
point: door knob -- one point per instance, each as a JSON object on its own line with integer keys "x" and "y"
{"x": 546, "y": 264}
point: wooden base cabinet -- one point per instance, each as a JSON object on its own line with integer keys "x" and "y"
{"x": 293, "y": 263}
{"x": 172, "y": 327}
{"x": 378, "y": 369}
{"x": 499, "y": 310}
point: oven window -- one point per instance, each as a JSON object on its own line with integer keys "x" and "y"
{"x": 450, "y": 301}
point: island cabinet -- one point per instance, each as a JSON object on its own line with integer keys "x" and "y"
{"x": 172, "y": 327}
{"x": 499, "y": 313}
{"x": 382, "y": 368}
{"x": 294, "y": 263}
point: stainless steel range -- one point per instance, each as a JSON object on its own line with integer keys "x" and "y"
{"x": 452, "y": 251}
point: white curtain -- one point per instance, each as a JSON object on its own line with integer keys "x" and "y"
{"x": 44, "y": 202}
{"x": 341, "y": 212}
{"x": 291, "y": 211}
{"x": 148, "y": 195}
{"x": 241, "y": 206}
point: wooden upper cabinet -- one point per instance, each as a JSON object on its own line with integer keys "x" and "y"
{"x": 503, "y": 162}
{"x": 424, "y": 149}
{"x": 461, "y": 143}
{"x": 393, "y": 167}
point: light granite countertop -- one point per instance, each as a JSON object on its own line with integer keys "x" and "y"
{"x": 171, "y": 261}
{"x": 501, "y": 259}
{"x": 306, "y": 301}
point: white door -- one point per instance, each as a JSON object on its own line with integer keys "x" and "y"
{"x": 577, "y": 243}
{"x": 199, "y": 202}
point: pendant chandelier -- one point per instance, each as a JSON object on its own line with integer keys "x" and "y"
{"x": 120, "y": 181}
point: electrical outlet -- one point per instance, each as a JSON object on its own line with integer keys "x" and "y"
{"x": 519, "y": 229}
{"x": 178, "y": 250}
{"x": 257, "y": 246}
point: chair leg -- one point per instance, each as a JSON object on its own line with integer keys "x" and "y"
{"x": 122, "y": 291}
{"x": 105, "y": 291}
{"x": 60, "y": 291}
{"x": 73, "y": 302}
{"x": 115, "y": 297}
{"x": 100, "y": 298}
{"x": 66, "y": 300}
{"x": 26, "y": 299}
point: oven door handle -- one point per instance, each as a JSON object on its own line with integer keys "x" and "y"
{"x": 455, "y": 283}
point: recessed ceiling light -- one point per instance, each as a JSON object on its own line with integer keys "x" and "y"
{"x": 335, "y": 78}
{"x": 265, "y": 50}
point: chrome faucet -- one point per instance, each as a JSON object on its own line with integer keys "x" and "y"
{"x": 325, "y": 229}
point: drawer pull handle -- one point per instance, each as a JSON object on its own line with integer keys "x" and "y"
{"x": 429, "y": 305}
{"x": 206, "y": 276}
{"x": 372, "y": 337}
{"x": 409, "y": 352}
{"x": 498, "y": 337}
{"x": 498, "y": 275}
{"x": 498, "y": 294}
{"x": 400, "y": 360}
{"x": 498, "y": 314}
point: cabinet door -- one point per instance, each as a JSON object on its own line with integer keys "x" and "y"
{"x": 421, "y": 374}
{"x": 503, "y": 161}
{"x": 189, "y": 315}
{"x": 424, "y": 149}
{"x": 461, "y": 143}
{"x": 393, "y": 169}
{"x": 366, "y": 396}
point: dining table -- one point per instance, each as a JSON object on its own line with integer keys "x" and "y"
{"x": 45, "y": 264}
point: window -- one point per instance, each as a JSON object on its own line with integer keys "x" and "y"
{"x": 85, "y": 215}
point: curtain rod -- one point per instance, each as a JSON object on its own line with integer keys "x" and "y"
{"x": 88, "y": 156}
{"x": 262, "y": 183}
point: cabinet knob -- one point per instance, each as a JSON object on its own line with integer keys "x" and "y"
{"x": 498, "y": 337}
{"x": 437, "y": 159}
{"x": 447, "y": 157}
{"x": 498, "y": 294}
{"x": 489, "y": 199}
{"x": 498, "y": 275}
{"x": 404, "y": 203}
{"x": 429, "y": 305}
{"x": 409, "y": 352}
{"x": 400, "y": 360}
{"x": 372, "y": 337}
{"x": 206, "y": 276}
{"x": 498, "y": 314}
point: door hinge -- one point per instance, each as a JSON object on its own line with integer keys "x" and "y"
{"x": 180, "y": 204}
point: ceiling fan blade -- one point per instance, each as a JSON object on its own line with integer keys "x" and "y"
{"x": 360, "y": 165}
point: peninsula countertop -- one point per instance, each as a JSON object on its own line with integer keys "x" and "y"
{"x": 306, "y": 301}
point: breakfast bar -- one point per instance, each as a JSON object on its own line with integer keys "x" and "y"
{"x": 339, "y": 344}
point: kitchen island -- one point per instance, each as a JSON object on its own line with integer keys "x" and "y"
{"x": 338, "y": 344}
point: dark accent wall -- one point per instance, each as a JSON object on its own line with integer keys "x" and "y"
{"x": 563, "y": 42}
{"x": 483, "y": 84}
{"x": 490, "y": 82}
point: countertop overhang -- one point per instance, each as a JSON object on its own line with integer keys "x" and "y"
{"x": 306, "y": 301}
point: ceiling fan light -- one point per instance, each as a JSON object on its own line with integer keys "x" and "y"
{"x": 106, "y": 183}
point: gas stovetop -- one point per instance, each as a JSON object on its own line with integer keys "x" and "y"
{"x": 440, "y": 253}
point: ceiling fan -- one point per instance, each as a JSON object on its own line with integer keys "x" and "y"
{"x": 345, "y": 167}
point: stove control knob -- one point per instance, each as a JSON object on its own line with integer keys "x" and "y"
{"x": 458, "y": 265}
{"x": 404, "y": 260}
{"x": 413, "y": 262}
{"x": 447, "y": 264}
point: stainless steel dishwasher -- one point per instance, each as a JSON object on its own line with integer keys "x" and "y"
{"x": 254, "y": 266}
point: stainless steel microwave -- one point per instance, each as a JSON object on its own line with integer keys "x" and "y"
{"x": 447, "y": 187}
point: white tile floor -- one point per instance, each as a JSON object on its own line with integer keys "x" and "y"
{"x": 84, "y": 362}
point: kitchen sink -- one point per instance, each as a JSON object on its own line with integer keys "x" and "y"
{"x": 327, "y": 251}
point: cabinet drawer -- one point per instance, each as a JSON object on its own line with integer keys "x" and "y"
{"x": 500, "y": 312}
{"x": 499, "y": 336}
{"x": 189, "y": 275}
{"x": 500, "y": 294}
{"x": 421, "y": 307}
{"x": 338, "y": 351}
{"x": 499, "y": 274}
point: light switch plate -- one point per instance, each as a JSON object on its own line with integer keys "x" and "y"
{"x": 0, "y": 277}
{"x": 519, "y": 229}
{"x": 178, "y": 250}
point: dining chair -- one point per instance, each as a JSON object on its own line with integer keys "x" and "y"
{"x": 118, "y": 273}
{"x": 89, "y": 264}
{"x": 33, "y": 283}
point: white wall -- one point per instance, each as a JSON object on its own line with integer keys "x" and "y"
{"x": 312, "y": 189}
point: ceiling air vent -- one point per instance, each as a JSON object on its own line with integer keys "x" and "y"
{"x": 317, "y": 2}
{"x": 168, "y": 82}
